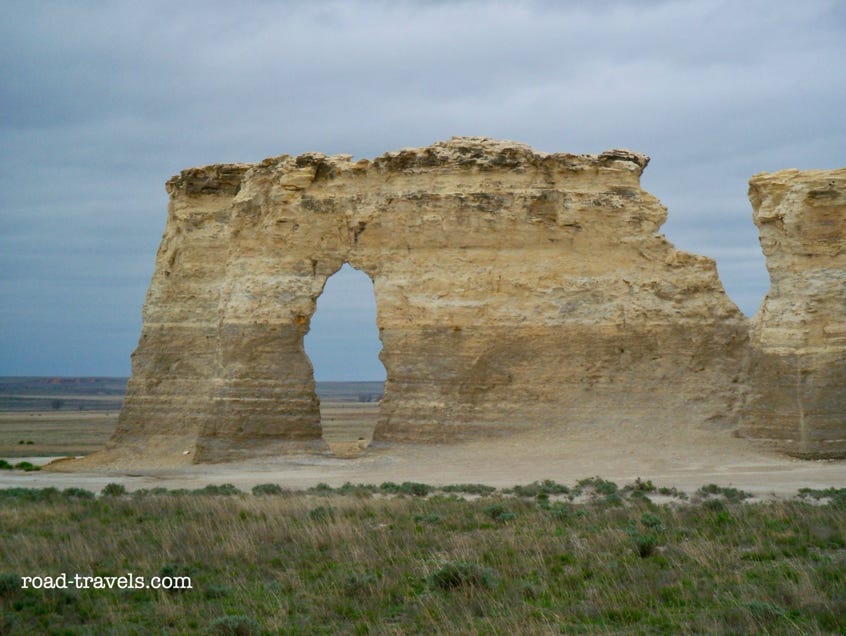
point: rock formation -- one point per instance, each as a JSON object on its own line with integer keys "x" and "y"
{"x": 514, "y": 289}
{"x": 798, "y": 368}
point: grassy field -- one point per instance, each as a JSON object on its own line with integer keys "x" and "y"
{"x": 54, "y": 434}
{"x": 407, "y": 558}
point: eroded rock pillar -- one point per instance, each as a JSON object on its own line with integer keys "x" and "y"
{"x": 798, "y": 371}
{"x": 174, "y": 367}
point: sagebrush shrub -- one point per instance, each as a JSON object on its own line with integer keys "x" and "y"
{"x": 267, "y": 489}
{"x": 461, "y": 574}
{"x": 113, "y": 490}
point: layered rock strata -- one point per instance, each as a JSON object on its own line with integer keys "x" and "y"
{"x": 513, "y": 288}
{"x": 798, "y": 369}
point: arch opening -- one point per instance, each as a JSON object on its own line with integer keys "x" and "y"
{"x": 343, "y": 346}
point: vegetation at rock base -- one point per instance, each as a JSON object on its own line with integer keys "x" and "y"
{"x": 414, "y": 558}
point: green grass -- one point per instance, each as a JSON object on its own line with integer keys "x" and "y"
{"x": 412, "y": 558}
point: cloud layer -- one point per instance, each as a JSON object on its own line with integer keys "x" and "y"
{"x": 101, "y": 102}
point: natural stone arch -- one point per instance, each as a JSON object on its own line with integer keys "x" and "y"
{"x": 514, "y": 289}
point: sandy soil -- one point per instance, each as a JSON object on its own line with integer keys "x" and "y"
{"x": 682, "y": 457}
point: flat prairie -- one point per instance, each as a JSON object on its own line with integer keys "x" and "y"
{"x": 680, "y": 456}
{"x": 54, "y": 433}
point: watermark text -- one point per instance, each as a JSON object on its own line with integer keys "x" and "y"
{"x": 128, "y": 581}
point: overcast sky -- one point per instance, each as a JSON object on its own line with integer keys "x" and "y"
{"x": 101, "y": 102}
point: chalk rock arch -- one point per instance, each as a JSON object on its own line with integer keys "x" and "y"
{"x": 514, "y": 289}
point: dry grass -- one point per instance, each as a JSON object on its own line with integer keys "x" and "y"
{"x": 59, "y": 433}
{"x": 360, "y": 560}
{"x": 52, "y": 433}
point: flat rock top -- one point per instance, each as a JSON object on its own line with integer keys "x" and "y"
{"x": 457, "y": 153}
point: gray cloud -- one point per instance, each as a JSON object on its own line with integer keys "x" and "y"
{"x": 101, "y": 102}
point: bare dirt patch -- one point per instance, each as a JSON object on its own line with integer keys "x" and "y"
{"x": 684, "y": 457}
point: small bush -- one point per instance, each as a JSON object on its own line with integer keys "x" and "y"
{"x": 27, "y": 467}
{"x": 561, "y": 511}
{"x": 322, "y": 513}
{"x": 836, "y": 496}
{"x": 356, "y": 490}
{"x": 406, "y": 487}
{"x": 645, "y": 544}
{"x": 672, "y": 492}
{"x": 414, "y": 488}
{"x": 498, "y": 512}
{"x": 389, "y": 486}
{"x": 4, "y": 465}
{"x": 146, "y": 492}
{"x": 606, "y": 487}
{"x": 113, "y": 490}
{"x": 234, "y": 625}
{"x": 427, "y": 518}
{"x": 540, "y": 488}
{"x": 213, "y": 489}
{"x": 638, "y": 485}
{"x": 651, "y": 521}
{"x": 825, "y": 493}
{"x": 613, "y": 499}
{"x": 30, "y": 494}
{"x": 731, "y": 494}
{"x": 267, "y": 489}
{"x": 215, "y": 591}
{"x": 600, "y": 485}
{"x": 461, "y": 574}
{"x": 77, "y": 493}
{"x": 470, "y": 489}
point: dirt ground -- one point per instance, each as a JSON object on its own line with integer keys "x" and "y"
{"x": 682, "y": 457}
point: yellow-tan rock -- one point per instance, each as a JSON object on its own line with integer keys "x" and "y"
{"x": 798, "y": 369}
{"x": 514, "y": 289}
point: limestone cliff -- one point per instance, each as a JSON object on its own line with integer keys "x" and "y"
{"x": 513, "y": 288}
{"x": 798, "y": 371}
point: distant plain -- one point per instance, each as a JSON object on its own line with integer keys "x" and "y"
{"x": 682, "y": 455}
{"x": 53, "y": 417}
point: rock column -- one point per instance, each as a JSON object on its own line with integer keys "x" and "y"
{"x": 798, "y": 370}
